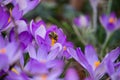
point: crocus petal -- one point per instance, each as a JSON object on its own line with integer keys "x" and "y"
{"x": 4, "y": 62}
{"x": 41, "y": 31}
{"x": 13, "y": 50}
{"x": 84, "y": 62}
{"x": 2, "y": 42}
{"x": 113, "y": 55}
{"x": 116, "y": 76}
{"x": 110, "y": 27}
{"x": 100, "y": 71}
{"x": 118, "y": 24}
{"x": 22, "y": 25}
{"x": 16, "y": 13}
{"x": 55, "y": 64}
{"x": 25, "y": 38}
{"x": 117, "y": 66}
{"x": 22, "y": 4}
{"x": 35, "y": 67}
{"x": 80, "y": 58}
{"x": 32, "y": 4}
{"x": 42, "y": 53}
{"x": 91, "y": 55}
{"x": 71, "y": 74}
{"x": 4, "y": 16}
{"x": 73, "y": 53}
{"x": 32, "y": 51}
{"x": 104, "y": 20}
{"x": 110, "y": 67}
{"x": 53, "y": 54}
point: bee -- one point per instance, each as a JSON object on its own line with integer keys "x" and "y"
{"x": 53, "y": 35}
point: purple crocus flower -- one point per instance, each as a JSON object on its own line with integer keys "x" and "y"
{"x": 7, "y": 52}
{"x": 110, "y": 23}
{"x": 82, "y": 21}
{"x": 51, "y": 36}
{"x": 91, "y": 62}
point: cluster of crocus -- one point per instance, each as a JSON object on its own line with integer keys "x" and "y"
{"x": 30, "y": 51}
{"x": 33, "y": 51}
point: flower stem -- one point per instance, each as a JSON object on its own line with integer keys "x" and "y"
{"x": 79, "y": 35}
{"x": 95, "y": 19}
{"x": 105, "y": 45}
{"x": 109, "y": 6}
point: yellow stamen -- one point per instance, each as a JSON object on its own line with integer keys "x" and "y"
{"x": 96, "y": 64}
{"x": 112, "y": 20}
{"x": 3, "y": 50}
{"x": 9, "y": 19}
{"x": 14, "y": 70}
{"x": 44, "y": 77}
{"x": 53, "y": 41}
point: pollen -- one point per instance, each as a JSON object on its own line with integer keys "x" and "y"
{"x": 53, "y": 41}
{"x": 3, "y": 50}
{"x": 96, "y": 64}
{"x": 9, "y": 19}
{"x": 44, "y": 77}
{"x": 112, "y": 20}
{"x": 15, "y": 71}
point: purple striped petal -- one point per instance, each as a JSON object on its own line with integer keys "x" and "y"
{"x": 91, "y": 55}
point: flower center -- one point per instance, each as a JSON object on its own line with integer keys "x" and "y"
{"x": 15, "y": 71}
{"x": 44, "y": 77}
{"x": 112, "y": 20}
{"x": 3, "y": 50}
{"x": 96, "y": 64}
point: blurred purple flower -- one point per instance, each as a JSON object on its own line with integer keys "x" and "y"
{"x": 71, "y": 74}
{"x": 110, "y": 23}
{"x": 91, "y": 62}
{"x": 82, "y": 21}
